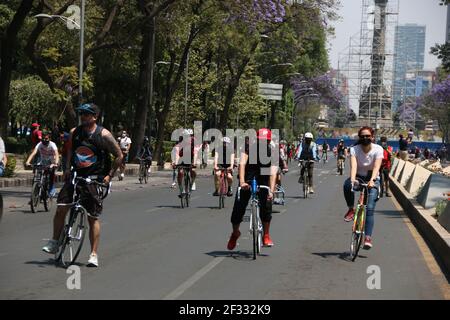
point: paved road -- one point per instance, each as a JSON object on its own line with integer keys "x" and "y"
{"x": 152, "y": 249}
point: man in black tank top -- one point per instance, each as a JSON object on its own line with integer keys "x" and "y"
{"x": 89, "y": 155}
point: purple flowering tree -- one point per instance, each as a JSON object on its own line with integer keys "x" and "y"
{"x": 436, "y": 106}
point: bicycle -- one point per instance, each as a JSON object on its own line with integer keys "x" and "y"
{"x": 279, "y": 194}
{"x": 256, "y": 227}
{"x": 143, "y": 170}
{"x": 223, "y": 186}
{"x": 305, "y": 177}
{"x": 341, "y": 164}
{"x": 359, "y": 220}
{"x": 185, "y": 195}
{"x": 71, "y": 239}
{"x": 40, "y": 188}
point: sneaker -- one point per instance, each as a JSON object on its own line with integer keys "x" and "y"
{"x": 122, "y": 175}
{"x": 368, "y": 243}
{"x": 349, "y": 215}
{"x": 215, "y": 193}
{"x": 93, "y": 261}
{"x": 174, "y": 184}
{"x": 311, "y": 190}
{"x": 52, "y": 192}
{"x": 230, "y": 192}
{"x": 193, "y": 188}
{"x": 267, "y": 242}
{"x": 300, "y": 180}
{"x": 233, "y": 241}
{"x": 51, "y": 247}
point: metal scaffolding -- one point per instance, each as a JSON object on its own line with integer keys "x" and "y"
{"x": 368, "y": 63}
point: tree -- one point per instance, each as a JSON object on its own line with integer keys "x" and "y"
{"x": 8, "y": 46}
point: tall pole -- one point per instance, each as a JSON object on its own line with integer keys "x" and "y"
{"x": 80, "y": 95}
{"x": 186, "y": 91}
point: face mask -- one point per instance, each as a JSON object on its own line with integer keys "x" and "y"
{"x": 45, "y": 143}
{"x": 366, "y": 141}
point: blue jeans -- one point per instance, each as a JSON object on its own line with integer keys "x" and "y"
{"x": 371, "y": 201}
{"x": 2, "y": 170}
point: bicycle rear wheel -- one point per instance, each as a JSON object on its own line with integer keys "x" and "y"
{"x": 145, "y": 175}
{"x": 305, "y": 186}
{"x": 46, "y": 199}
{"x": 35, "y": 198}
{"x": 72, "y": 238}
{"x": 357, "y": 233}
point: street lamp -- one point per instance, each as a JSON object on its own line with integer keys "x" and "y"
{"x": 81, "y": 27}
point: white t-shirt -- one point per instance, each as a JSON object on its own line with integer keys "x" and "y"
{"x": 124, "y": 143}
{"x": 366, "y": 161}
{"x": 47, "y": 153}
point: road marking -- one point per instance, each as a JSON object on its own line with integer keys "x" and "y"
{"x": 192, "y": 280}
{"x": 426, "y": 253}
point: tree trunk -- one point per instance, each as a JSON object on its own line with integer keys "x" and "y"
{"x": 145, "y": 86}
{"x": 226, "y": 107}
{"x": 8, "y": 48}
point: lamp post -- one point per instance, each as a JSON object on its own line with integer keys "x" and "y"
{"x": 81, "y": 27}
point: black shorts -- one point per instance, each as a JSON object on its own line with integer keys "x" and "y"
{"x": 90, "y": 198}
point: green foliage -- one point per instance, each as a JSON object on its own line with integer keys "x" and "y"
{"x": 10, "y": 167}
{"x": 440, "y": 207}
{"x": 32, "y": 100}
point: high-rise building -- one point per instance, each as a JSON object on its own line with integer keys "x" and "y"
{"x": 409, "y": 55}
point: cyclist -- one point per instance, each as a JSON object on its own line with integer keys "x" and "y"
{"x": 89, "y": 156}
{"x": 265, "y": 173}
{"x": 385, "y": 165}
{"x": 307, "y": 151}
{"x": 146, "y": 154}
{"x": 282, "y": 162}
{"x": 224, "y": 159}
{"x": 325, "y": 149}
{"x": 3, "y": 157}
{"x": 125, "y": 145}
{"x": 341, "y": 151}
{"x": 48, "y": 157}
{"x": 186, "y": 144}
{"x": 365, "y": 163}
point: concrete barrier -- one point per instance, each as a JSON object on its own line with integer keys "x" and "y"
{"x": 398, "y": 170}
{"x": 433, "y": 191}
{"x": 418, "y": 180}
{"x": 444, "y": 218}
{"x": 394, "y": 166}
{"x": 435, "y": 234}
{"x": 406, "y": 173}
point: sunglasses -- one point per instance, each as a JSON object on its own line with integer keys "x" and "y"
{"x": 365, "y": 136}
{"x": 84, "y": 113}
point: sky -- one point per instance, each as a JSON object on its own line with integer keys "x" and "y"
{"x": 422, "y": 12}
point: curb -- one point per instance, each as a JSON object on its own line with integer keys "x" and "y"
{"x": 26, "y": 180}
{"x": 435, "y": 235}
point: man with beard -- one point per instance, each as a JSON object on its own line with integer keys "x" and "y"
{"x": 89, "y": 156}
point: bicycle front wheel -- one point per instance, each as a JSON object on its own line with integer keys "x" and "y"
{"x": 73, "y": 237}
{"x": 357, "y": 233}
{"x": 35, "y": 198}
{"x": 254, "y": 231}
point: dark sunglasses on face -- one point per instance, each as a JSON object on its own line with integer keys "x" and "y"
{"x": 85, "y": 113}
{"x": 365, "y": 136}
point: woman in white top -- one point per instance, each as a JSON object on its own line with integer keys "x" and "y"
{"x": 365, "y": 163}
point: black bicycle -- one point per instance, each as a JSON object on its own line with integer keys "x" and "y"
{"x": 223, "y": 186}
{"x": 72, "y": 237}
{"x": 40, "y": 188}
{"x": 185, "y": 194}
{"x": 143, "y": 170}
{"x": 305, "y": 177}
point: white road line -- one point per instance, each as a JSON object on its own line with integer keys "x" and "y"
{"x": 152, "y": 210}
{"x": 192, "y": 280}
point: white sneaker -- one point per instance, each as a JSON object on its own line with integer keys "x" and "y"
{"x": 193, "y": 187}
{"x": 311, "y": 190}
{"x": 122, "y": 175}
{"x": 93, "y": 260}
{"x": 51, "y": 247}
{"x": 173, "y": 185}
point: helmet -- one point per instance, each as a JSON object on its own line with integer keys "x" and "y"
{"x": 35, "y": 125}
{"x": 309, "y": 135}
{"x": 89, "y": 108}
{"x": 264, "y": 134}
{"x": 226, "y": 140}
{"x": 188, "y": 132}
{"x": 342, "y": 140}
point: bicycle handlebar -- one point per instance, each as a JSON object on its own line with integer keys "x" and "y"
{"x": 105, "y": 187}
{"x": 259, "y": 187}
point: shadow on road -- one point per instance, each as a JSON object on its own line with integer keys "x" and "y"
{"x": 237, "y": 255}
{"x": 341, "y": 255}
{"x": 51, "y": 262}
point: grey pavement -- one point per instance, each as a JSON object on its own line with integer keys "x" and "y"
{"x": 152, "y": 249}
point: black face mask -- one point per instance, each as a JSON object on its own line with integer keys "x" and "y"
{"x": 45, "y": 143}
{"x": 365, "y": 141}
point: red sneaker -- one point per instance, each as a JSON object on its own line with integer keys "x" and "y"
{"x": 368, "y": 243}
{"x": 349, "y": 215}
{"x": 267, "y": 242}
{"x": 233, "y": 241}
